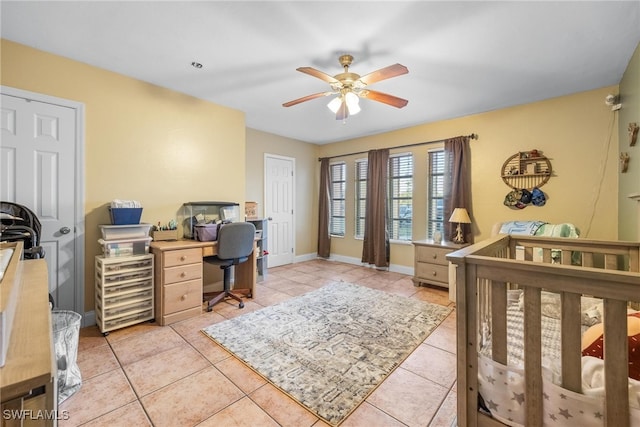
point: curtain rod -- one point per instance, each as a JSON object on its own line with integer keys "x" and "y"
{"x": 472, "y": 136}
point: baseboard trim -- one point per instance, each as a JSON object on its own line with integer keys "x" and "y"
{"x": 403, "y": 269}
{"x": 89, "y": 319}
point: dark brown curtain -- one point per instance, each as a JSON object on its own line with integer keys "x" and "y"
{"x": 375, "y": 248}
{"x": 324, "y": 205}
{"x": 457, "y": 185}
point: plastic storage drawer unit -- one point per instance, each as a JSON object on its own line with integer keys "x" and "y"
{"x": 123, "y": 291}
{"x": 126, "y": 231}
{"x": 125, "y": 247}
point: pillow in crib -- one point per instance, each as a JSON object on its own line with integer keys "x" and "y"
{"x": 592, "y": 343}
{"x": 550, "y": 307}
{"x": 549, "y": 304}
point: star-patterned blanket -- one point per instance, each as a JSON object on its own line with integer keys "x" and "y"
{"x": 502, "y": 389}
{"x": 503, "y": 392}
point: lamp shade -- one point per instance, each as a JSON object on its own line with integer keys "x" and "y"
{"x": 352, "y": 101}
{"x": 460, "y": 215}
{"x": 349, "y": 101}
{"x": 335, "y": 103}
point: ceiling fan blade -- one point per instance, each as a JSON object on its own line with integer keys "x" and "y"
{"x": 384, "y": 98}
{"x": 384, "y": 73}
{"x": 306, "y": 98}
{"x": 317, "y": 73}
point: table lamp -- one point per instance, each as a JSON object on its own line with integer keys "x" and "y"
{"x": 460, "y": 216}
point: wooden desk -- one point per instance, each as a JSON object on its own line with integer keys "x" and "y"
{"x": 178, "y": 277}
{"x": 27, "y": 378}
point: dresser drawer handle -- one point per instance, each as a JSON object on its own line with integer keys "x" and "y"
{"x": 183, "y": 297}
{"x": 183, "y": 274}
{"x": 434, "y": 256}
{"x": 433, "y": 273}
{"x": 183, "y": 258}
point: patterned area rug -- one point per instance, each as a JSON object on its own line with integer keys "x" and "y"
{"x": 330, "y": 348}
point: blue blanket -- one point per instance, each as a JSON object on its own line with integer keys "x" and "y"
{"x": 521, "y": 227}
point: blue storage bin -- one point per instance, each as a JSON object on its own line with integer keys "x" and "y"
{"x": 125, "y": 216}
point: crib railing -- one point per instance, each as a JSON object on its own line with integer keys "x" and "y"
{"x": 569, "y": 267}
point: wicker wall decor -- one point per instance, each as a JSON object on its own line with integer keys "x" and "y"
{"x": 526, "y": 170}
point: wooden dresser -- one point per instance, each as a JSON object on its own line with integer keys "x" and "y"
{"x": 430, "y": 262}
{"x": 27, "y": 380}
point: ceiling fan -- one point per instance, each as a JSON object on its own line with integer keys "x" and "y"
{"x": 350, "y": 87}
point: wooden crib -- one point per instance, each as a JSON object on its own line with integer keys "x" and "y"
{"x": 572, "y": 268}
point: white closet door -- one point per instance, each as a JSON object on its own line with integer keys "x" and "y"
{"x": 279, "y": 203}
{"x": 37, "y": 170}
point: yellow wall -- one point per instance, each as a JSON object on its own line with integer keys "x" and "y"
{"x": 142, "y": 142}
{"x": 578, "y": 133}
{"x": 629, "y": 181}
{"x": 306, "y": 182}
{"x": 163, "y": 148}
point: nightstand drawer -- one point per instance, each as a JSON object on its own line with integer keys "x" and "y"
{"x": 181, "y": 296}
{"x": 433, "y": 272}
{"x": 182, "y": 257}
{"x": 432, "y": 255}
{"x": 182, "y": 273}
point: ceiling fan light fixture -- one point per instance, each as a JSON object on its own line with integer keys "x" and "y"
{"x": 353, "y": 103}
{"x": 335, "y": 103}
{"x": 350, "y": 87}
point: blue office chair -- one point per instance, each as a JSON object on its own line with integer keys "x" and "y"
{"x": 235, "y": 245}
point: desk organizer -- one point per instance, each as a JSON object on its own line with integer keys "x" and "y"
{"x": 159, "y": 235}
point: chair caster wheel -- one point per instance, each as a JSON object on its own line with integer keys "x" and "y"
{"x": 241, "y": 305}
{"x": 209, "y": 309}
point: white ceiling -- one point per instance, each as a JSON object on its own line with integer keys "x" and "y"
{"x": 463, "y": 57}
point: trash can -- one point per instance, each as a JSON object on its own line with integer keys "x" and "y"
{"x": 66, "y": 334}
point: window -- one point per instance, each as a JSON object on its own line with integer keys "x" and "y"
{"x": 338, "y": 184}
{"x": 361, "y": 196}
{"x": 435, "y": 197}
{"x": 400, "y": 197}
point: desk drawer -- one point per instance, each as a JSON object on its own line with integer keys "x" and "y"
{"x": 432, "y": 255}
{"x": 182, "y": 273}
{"x": 181, "y": 296}
{"x": 433, "y": 272}
{"x": 182, "y": 257}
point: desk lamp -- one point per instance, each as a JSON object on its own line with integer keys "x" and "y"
{"x": 460, "y": 216}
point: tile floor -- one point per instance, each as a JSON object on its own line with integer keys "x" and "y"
{"x": 149, "y": 375}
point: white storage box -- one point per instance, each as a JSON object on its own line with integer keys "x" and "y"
{"x": 121, "y": 232}
{"x": 127, "y": 247}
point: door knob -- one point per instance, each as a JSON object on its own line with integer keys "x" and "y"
{"x": 65, "y": 230}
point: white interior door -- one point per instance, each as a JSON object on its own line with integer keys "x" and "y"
{"x": 38, "y": 170}
{"x": 279, "y": 202}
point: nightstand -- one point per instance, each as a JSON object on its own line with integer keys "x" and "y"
{"x": 430, "y": 262}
